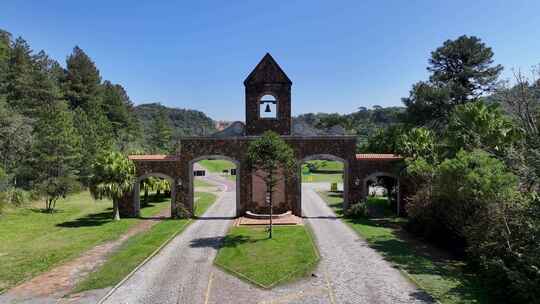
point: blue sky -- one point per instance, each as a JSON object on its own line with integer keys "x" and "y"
{"x": 340, "y": 55}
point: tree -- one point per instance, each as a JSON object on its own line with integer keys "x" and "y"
{"x": 82, "y": 81}
{"x": 480, "y": 126}
{"x": 160, "y": 133}
{"x": 55, "y": 153}
{"x": 274, "y": 158}
{"x": 462, "y": 71}
{"x": 113, "y": 176}
{"x": 15, "y": 138}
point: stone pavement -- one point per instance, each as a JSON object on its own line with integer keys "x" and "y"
{"x": 349, "y": 271}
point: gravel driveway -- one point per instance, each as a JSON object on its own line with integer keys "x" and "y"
{"x": 349, "y": 271}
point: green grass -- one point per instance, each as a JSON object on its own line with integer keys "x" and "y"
{"x": 440, "y": 276}
{"x": 135, "y": 250}
{"x": 201, "y": 183}
{"x": 32, "y": 242}
{"x": 217, "y": 166}
{"x": 308, "y": 177}
{"x": 249, "y": 254}
{"x": 324, "y": 165}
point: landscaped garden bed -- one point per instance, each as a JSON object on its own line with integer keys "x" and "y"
{"x": 248, "y": 253}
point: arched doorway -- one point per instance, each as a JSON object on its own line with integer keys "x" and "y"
{"x": 137, "y": 188}
{"x": 335, "y": 174}
{"x": 217, "y": 170}
{"x": 381, "y": 193}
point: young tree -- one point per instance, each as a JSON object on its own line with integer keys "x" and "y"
{"x": 272, "y": 156}
{"x": 55, "y": 153}
{"x": 113, "y": 176}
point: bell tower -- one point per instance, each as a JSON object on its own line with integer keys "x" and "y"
{"x": 268, "y": 99}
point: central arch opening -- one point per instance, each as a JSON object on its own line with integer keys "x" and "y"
{"x": 153, "y": 193}
{"x": 327, "y": 176}
{"x": 217, "y": 176}
{"x": 382, "y": 194}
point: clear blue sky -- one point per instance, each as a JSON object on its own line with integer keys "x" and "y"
{"x": 340, "y": 55}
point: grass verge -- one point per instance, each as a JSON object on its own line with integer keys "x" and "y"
{"x": 217, "y": 166}
{"x": 32, "y": 242}
{"x": 248, "y": 253}
{"x": 432, "y": 270}
{"x": 135, "y": 250}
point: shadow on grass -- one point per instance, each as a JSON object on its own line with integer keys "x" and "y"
{"x": 220, "y": 242}
{"x": 101, "y": 218}
{"x": 94, "y": 219}
{"x": 418, "y": 258}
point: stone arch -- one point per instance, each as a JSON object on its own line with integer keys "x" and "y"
{"x": 137, "y": 190}
{"x": 377, "y": 174}
{"x": 191, "y": 192}
{"x": 331, "y": 157}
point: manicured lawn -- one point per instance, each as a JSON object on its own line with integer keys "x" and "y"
{"x": 139, "y": 247}
{"x": 217, "y": 166}
{"x": 249, "y": 254}
{"x": 440, "y": 276}
{"x": 308, "y": 177}
{"x": 32, "y": 242}
{"x": 197, "y": 182}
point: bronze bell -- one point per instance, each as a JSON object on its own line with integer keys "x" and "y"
{"x": 267, "y": 110}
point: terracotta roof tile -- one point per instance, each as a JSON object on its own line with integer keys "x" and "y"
{"x": 378, "y": 157}
{"x": 153, "y": 157}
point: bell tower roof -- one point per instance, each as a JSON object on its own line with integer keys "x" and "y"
{"x": 267, "y": 71}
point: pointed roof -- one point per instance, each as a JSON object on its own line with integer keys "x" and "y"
{"x": 267, "y": 71}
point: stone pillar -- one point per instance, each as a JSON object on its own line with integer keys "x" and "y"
{"x": 126, "y": 205}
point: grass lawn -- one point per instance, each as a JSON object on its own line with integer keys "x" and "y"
{"x": 32, "y": 242}
{"x": 201, "y": 183}
{"x": 217, "y": 166}
{"x": 308, "y": 177}
{"x": 139, "y": 247}
{"x": 249, "y": 254}
{"x": 432, "y": 271}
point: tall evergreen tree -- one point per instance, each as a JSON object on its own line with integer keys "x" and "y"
{"x": 55, "y": 153}
{"x": 462, "y": 71}
{"x": 82, "y": 81}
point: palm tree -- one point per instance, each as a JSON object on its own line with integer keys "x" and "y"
{"x": 113, "y": 176}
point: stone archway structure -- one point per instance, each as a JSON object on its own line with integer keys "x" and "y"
{"x": 346, "y": 178}
{"x": 231, "y": 144}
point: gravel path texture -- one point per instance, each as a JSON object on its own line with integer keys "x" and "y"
{"x": 349, "y": 271}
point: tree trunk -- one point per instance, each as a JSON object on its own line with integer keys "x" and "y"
{"x": 116, "y": 210}
{"x": 270, "y": 203}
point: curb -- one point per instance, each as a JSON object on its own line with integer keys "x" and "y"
{"x": 154, "y": 253}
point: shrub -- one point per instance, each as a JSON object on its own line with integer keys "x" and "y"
{"x": 333, "y": 187}
{"x": 358, "y": 210}
{"x": 17, "y": 197}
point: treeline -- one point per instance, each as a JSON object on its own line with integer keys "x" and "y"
{"x": 55, "y": 120}
{"x": 362, "y": 123}
{"x": 472, "y": 147}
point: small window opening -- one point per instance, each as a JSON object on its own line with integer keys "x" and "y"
{"x": 268, "y": 107}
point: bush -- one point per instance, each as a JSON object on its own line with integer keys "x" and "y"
{"x": 333, "y": 187}
{"x": 17, "y": 197}
{"x": 358, "y": 210}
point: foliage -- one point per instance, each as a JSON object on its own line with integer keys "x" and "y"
{"x": 273, "y": 157}
{"x": 160, "y": 133}
{"x": 452, "y": 196}
{"x": 462, "y": 71}
{"x": 183, "y": 122}
{"x": 358, "y": 210}
{"x": 55, "y": 153}
{"x": 114, "y": 175}
{"x": 480, "y": 126}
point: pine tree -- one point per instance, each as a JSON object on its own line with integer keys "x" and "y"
{"x": 55, "y": 153}
{"x": 82, "y": 81}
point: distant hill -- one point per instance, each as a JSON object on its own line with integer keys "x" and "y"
{"x": 184, "y": 122}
